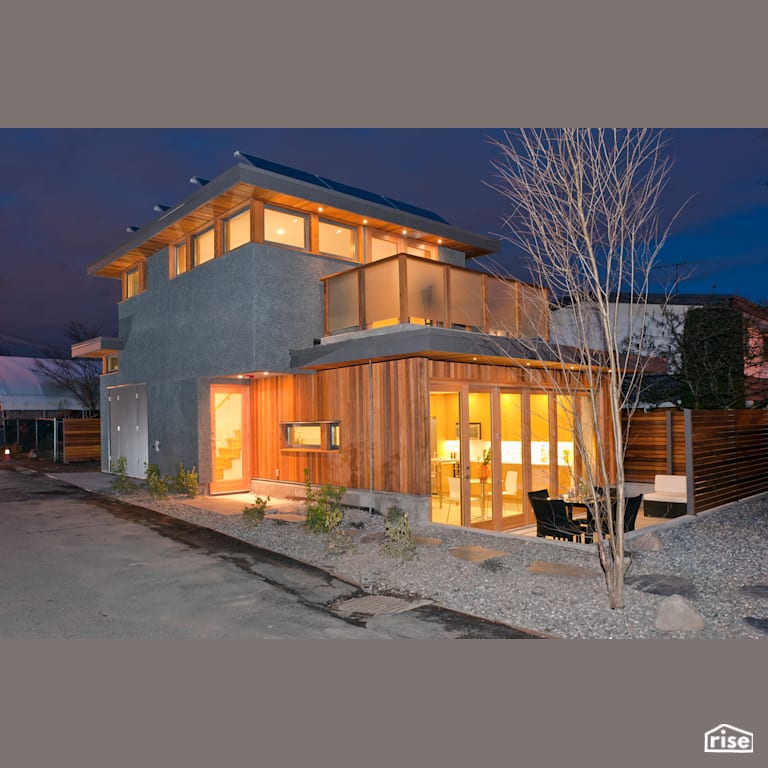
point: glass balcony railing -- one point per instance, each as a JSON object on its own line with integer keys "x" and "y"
{"x": 404, "y": 289}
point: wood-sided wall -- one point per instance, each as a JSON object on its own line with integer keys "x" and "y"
{"x": 383, "y": 410}
{"x": 393, "y": 396}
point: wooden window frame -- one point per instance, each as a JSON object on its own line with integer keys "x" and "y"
{"x": 140, "y": 268}
{"x": 225, "y": 219}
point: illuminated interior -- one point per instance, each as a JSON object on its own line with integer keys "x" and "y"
{"x": 482, "y": 471}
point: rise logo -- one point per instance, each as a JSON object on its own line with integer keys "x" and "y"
{"x": 727, "y": 738}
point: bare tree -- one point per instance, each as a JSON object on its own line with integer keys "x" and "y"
{"x": 584, "y": 208}
{"x": 78, "y": 376}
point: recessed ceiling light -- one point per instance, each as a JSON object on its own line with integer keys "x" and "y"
{"x": 320, "y": 209}
{"x": 280, "y": 231}
{"x": 365, "y": 221}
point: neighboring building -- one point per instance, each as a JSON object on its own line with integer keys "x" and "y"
{"x": 275, "y": 322}
{"x": 663, "y": 318}
{"x": 24, "y": 394}
{"x": 29, "y": 404}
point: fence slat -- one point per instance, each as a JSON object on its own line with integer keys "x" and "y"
{"x": 82, "y": 440}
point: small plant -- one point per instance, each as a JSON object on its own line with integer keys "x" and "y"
{"x": 157, "y": 483}
{"x": 399, "y": 537}
{"x": 324, "y": 511}
{"x": 121, "y": 483}
{"x": 186, "y": 481}
{"x": 254, "y": 513}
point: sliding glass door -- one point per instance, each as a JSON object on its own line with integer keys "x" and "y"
{"x": 490, "y": 446}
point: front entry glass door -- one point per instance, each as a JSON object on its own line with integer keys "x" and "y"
{"x": 229, "y": 432}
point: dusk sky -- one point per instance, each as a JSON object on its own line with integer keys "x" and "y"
{"x": 68, "y": 195}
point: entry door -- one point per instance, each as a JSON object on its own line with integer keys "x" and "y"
{"x": 230, "y": 433}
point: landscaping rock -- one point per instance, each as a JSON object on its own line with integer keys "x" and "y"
{"x": 676, "y": 614}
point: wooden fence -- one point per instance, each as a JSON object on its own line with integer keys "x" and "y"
{"x": 82, "y": 440}
{"x": 724, "y": 454}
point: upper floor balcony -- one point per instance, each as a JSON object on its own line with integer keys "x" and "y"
{"x": 405, "y": 289}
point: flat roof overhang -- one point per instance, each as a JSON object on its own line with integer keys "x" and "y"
{"x": 244, "y": 182}
{"x": 418, "y": 341}
{"x": 99, "y": 347}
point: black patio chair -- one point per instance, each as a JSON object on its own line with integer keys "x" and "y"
{"x": 631, "y": 508}
{"x": 542, "y": 494}
{"x": 552, "y": 520}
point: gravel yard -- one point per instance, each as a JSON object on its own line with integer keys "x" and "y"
{"x": 708, "y": 559}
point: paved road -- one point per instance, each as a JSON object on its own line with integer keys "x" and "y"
{"x": 77, "y": 565}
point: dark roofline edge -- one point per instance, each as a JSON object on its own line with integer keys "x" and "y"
{"x": 243, "y": 171}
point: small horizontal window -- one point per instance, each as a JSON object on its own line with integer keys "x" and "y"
{"x": 312, "y": 435}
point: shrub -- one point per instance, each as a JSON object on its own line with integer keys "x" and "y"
{"x": 186, "y": 481}
{"x": 255, "y": 512}
{"x": 324, "y": 511}
{"x": 121, "y": 483}
{"x": 399, "y": 537}
{"x": 157, "y": 483}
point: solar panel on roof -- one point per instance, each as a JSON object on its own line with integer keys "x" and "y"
{"x": 337, "y": 186}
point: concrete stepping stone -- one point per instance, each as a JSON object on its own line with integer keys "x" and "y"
{"x": 761, "y": 624}
{"x": 662, "y": 584}
{"x": 756, "y": 590}
{"x": 558, "y": 569}
{"x": 475, "y": 554}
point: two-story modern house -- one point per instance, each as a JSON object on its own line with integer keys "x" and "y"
{"x": 276, "y": 322}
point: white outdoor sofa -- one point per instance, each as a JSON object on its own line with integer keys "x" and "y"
{"x": 669, "y": 497}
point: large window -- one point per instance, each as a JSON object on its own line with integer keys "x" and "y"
{"x": 237, "y": 230}
{"x": 203, "y": 247}
{"x": 337, "y": 240}
{"x": 285, "y": 227}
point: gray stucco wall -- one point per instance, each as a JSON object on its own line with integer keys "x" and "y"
{"x": 241, "y": 312}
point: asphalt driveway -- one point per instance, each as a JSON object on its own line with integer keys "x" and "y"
{"x": 78, "y": 565}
